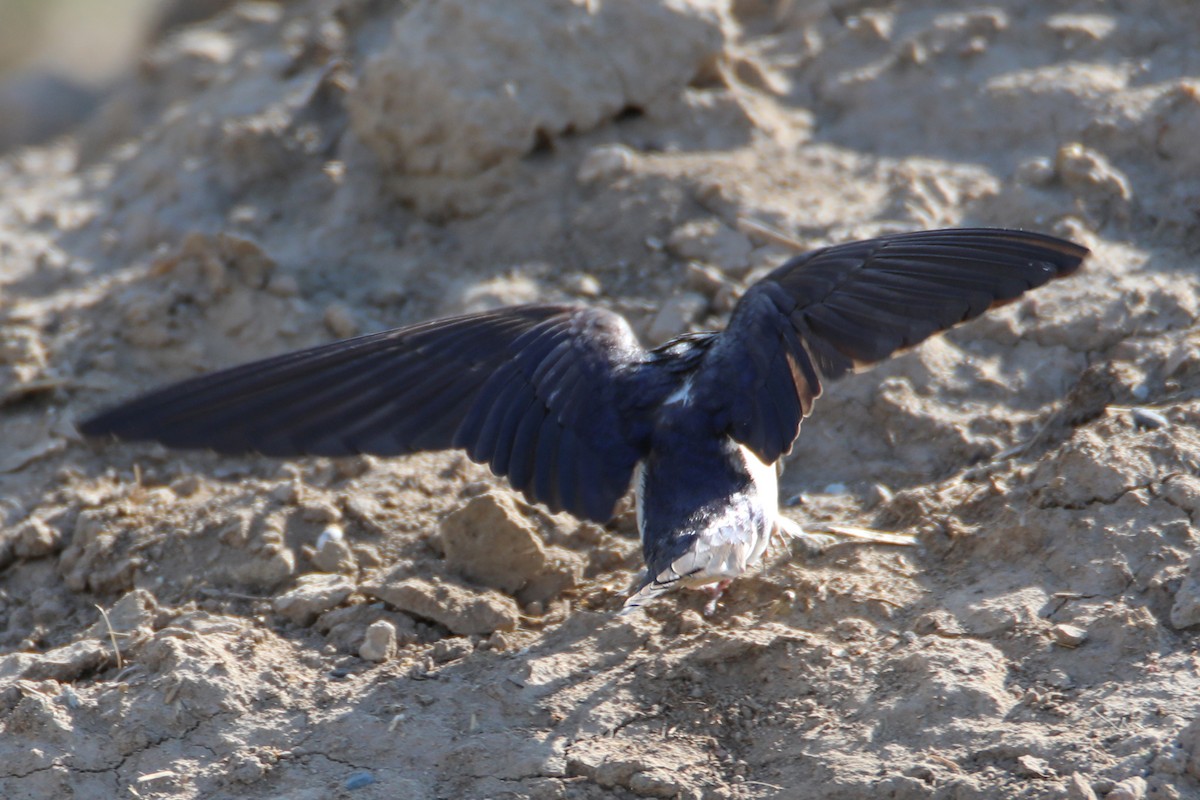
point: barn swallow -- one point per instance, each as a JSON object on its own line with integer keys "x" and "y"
{"x": 564, "y": 402}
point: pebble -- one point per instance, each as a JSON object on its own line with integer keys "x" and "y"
{"x": 1149, "y": 419}
{"x": 605, "y": 163}
{"x": 359, "y": 780}
{"x": 333, "y": 554}
{"x": 1078, "y": 788}
{"x": 379, "y": 644}
{"x": 340, "y": 320}
{"x": 1069, "y": 635}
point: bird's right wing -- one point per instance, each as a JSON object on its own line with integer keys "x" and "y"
{"x": 536, "y": 392}
{"x": 827, "y": 312}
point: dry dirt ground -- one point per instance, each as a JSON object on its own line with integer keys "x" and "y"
{"x": 187, "y": 626}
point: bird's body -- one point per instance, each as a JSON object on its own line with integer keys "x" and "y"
{"x": 706, "y": 505}
{"x": 564, "y": 402}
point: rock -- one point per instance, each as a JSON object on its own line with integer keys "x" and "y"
{"x": 490, "y": 541}
{"x": 340, "y": 321}
{"x": 131, "y": 616}
{"x": 266, "y": 568}
{"x": 1092, "y": 175}
{"x": 1034, "y": 767}
{"x": 313, "y": 595}
{"x": 333, "y": 553}
{"x": 63, "y": 664}
{"x": 1069, "y": 635}
{"x": 481, "y": 109}
{"x": 1078, "y": 788}
{"x": 605, "y": 163}
{"x": 379, "y": 644}
{"x": 1129, "y": 789}
{"x": 1185, "y": 611}
{"x": 461, "y": 609}
{"x": 34, "y": 539}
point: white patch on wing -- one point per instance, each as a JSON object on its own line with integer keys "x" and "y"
{"x": 681, "y": 395}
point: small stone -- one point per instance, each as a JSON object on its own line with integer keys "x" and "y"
{"x": 1129, "y": 789}
{"x": 266, "y": 568}
{"x": 379, "y": 643}
{"x": 583, "y": 285}
{"x": 1149, "y": 419}
{"x": 1034, "y": 767}
{"x": 133, "y": 614}
{"x": 605, "y": 163}
{"x": 1078, "y": 788}
{"x": 313, "y": 595}
{"x": 1069, "y": 635}
{"x": 1036, "y": 172}
{"x": 35, "y": 539}
{"x": 359, "y": 780}
{"x": 333, "y": 553}
{"x": 340, "y": 320}
{"x": 460, "y": 608}
{"x": 321, "y": 513}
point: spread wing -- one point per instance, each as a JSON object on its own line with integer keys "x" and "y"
{"x": 536, "y": 392}
{"x": 824, "y": 313}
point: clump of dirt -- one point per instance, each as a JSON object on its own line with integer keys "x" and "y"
{"x": 183, "y": 625}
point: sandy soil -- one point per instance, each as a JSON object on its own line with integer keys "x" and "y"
{"x": 188, "y": 626}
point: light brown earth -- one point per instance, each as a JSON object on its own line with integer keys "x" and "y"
{"x": 287, "y": 173}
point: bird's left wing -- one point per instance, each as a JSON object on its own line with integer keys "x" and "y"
{"x": 827, "y": 312}
{"x": 537, "y": 392}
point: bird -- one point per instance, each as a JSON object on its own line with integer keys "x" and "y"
{"x": 563, "y": 401}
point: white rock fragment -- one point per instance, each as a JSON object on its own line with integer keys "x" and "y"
{"x": 379, "y": 643}
{"x": 1034, "y": 767}
{"x": 1069, "y": 635}
{"x": 604, "y": 163}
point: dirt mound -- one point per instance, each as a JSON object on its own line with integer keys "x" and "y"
{"x": 188, "y": 626}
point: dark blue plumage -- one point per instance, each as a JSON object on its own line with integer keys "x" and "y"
{"x": 564, "y": 402}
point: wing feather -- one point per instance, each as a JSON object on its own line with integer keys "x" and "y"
{"x": 824, "y": 313}
{"x": 543, "y": 394}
